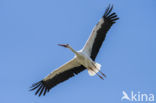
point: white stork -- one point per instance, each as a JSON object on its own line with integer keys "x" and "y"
{"x": 84, "y": 59}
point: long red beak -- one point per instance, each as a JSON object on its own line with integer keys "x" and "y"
{"x": 64, "y": 45}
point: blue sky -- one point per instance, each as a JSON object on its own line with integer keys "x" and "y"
{"x": 30, "y": 30}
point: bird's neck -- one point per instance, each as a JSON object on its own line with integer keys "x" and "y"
{"x": 75, "y": 52}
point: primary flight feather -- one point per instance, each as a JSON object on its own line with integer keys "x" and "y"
{"x": 84, "y": 59}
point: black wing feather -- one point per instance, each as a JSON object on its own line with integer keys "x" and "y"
{"x": 44, "y": 86}
{"x": 109, "y": 20}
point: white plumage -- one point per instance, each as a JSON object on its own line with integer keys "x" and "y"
{"x": 96, "y": 70}
{"x": 84, "y": 59}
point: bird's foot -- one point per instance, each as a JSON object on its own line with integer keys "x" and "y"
{"x": 100, "y": 76}
{"x": 103, "y": 74}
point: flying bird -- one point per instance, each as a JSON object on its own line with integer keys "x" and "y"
{"x": 83, "y": 59}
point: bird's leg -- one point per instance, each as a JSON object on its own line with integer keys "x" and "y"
{"x": 100, "y": 76}
{"x": 103, "y": 74}
{"x": 100, "y": 71}
{"x": 97, "y": 74}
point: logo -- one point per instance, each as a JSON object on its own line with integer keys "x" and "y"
{"x": 137, "y": 96}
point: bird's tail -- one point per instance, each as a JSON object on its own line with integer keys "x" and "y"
{"x": 94, "y": 70}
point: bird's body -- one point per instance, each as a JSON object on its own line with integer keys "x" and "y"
{"x": 84, "y": 59}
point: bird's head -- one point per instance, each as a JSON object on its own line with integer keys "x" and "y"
{"x": 64, "y": 45}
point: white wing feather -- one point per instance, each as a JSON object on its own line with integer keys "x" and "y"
{"x": 88, "y": 46}
{"x": 67, "y": 66}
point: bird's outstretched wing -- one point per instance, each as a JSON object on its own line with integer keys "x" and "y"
{"x": 99, "y": 32}
{"x": 61, "y": 74}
